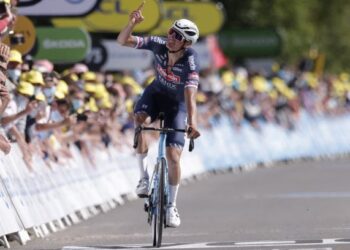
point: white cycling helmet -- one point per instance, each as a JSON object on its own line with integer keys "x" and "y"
{"x": 187, "y": 28}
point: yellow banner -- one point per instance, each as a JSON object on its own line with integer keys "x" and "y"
{"x": 113, "y": 15}
{"x": 208, "y": 16}
{"x": 24, "y": 27}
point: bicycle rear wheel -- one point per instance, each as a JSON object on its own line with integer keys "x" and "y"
{"x": 159, "y": 211}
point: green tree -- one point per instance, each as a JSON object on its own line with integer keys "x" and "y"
{"x": 302, "y": 24}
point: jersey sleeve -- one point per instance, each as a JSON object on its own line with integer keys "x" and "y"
{"x": 193, "y": 72}
{"x": 148, "y": 42}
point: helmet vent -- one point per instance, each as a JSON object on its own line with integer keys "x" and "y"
{"x": 190, "y": 33}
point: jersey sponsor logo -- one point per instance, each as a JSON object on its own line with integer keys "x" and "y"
{"x": 141, "y": 41}
{"x": 176, "y": 69}
{"x": 167, "y": 84}
{"x": 157, "y": 39}
{"x": 191, "y": 62}
{"x": 159, "y": 58}
{"x": 171, "y": 77}
{"x": 193, "y": 76}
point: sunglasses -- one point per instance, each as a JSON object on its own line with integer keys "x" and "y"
{"x": 177, "y": 36}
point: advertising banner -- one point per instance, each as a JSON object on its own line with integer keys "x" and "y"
{"x": 97, "y": 56}
{"x": 208, "y": 16}
{"x": 205, "y": 57}
{"x": 125, "y": 58}
{"x": 56, "y": 7}
{"x": 64, "y": 45}
{"x": 24, "y": 27}
{"x": 113, "y": 15}
{"x": 110, "y": 56}
{"x": 251, "y": 42}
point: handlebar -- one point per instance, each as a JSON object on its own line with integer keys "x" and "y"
{"x": 162, "y": 130}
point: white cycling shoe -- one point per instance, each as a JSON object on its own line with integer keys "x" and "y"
{"x": 142, "y": 188}
{"x": 172, "y": 217}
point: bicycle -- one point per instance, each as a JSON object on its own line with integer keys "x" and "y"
{"x": 155, "y": 204}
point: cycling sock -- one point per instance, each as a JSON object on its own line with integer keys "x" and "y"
{"x": 173, "y": 194}
{"x": 143, "y": 162}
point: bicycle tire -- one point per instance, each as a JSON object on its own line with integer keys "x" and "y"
{"x": 154, "y": 228}
{"x": 160, "y": 204}
{"x": 154, "y": 212}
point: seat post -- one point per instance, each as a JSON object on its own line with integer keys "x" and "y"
{"x": 161, "y": 118}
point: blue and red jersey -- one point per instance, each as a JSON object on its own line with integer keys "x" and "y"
{"x": 174, "y": 80}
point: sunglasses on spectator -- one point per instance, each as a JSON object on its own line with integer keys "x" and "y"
{"x": 177, "y": 36}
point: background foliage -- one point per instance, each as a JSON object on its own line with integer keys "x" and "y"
{"x": 321, "y": 25}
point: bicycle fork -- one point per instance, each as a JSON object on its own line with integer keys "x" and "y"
{"x": 152, "y": 199}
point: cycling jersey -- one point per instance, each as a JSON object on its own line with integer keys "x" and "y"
{"x": 166, "y": 92}
{"x": 181, "y": 75}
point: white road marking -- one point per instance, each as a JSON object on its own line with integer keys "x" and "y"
{"x": 323, "y": 248}
{"x": 206, "y": 245}
{"x": 260, "y": 243}
{"x": 311, "y": 195}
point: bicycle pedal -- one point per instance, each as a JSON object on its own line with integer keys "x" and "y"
{"x": 146, "y": 207}
{"x": 142, "y": 195}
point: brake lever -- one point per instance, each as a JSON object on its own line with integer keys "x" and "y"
{"x": 191, "y": 146}
{"x": 136, "y": 136}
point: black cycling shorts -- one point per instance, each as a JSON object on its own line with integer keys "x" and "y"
{"x": 154, "y": 101}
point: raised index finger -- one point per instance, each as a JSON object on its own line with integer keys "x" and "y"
{"x": 141, "y": 5}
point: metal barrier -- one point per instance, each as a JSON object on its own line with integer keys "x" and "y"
{"x": 48, "y": 199}
{"x": 314, "y": 136}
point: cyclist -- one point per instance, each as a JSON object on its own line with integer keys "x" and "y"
{"x": 173, "y": 92}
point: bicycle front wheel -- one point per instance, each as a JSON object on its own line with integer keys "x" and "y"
{"x": 159, "y": 214}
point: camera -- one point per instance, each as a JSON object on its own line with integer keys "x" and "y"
{"x": 17, "y": 39}
{"x": 32, "y": 98}
{"x": 82, "y": 117}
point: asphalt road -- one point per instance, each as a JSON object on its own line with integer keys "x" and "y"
{"x": 300, "y": 205}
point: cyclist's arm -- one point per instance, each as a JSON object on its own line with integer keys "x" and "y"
{"x": 191, "y": 85}
{"x": 190, "y": 98}
{"x": 125, "y": 38}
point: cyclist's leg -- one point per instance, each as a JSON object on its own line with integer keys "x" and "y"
{"x": 141, "y": 118}
{"x": 173, "y": 156}
{"x": 144, "y": 113}
{"x": 175, "y": 142}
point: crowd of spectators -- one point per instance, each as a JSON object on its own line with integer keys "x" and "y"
{"x": 47, "y": 112}
{"x": 275, "y": 96}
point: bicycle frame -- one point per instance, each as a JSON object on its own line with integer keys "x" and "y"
{"x": 158, "y": 192}
{"x": 162, "y": 156}
{"x": 156, "y": 173}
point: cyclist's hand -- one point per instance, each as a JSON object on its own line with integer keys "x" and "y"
{"x": 136, "y": 16}
{"x": 192, "y": 132}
